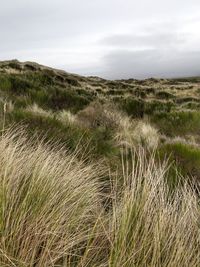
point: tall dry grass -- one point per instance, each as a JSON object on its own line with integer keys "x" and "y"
{"x": 127, "y": 132}
{"x": 150, "y": 226}
{"x": 66, "y": 117}
{"x": 49, "y": 203}
{"x": 34, "y": 108}
{"x": 53, "y": 213}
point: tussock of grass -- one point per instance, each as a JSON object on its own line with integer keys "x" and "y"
{"x": 148, "y": 227}
{"x": 98, "y": 115}
{"x": 146, "y": 135}
{"x": 66, "y": 117}
{"x": 133, "y": 133}
{"x": 49, "y": 203}
{"x": 125, "y": 131}
{"x": 38, "y": 111}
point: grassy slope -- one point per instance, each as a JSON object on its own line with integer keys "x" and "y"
{"x": 171, "y": 106}
{"x": 102, "y": 123}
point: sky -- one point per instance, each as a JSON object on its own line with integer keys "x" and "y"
{"x": 112, "y": 39}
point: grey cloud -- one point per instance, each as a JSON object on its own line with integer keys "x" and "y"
{"x": 66, "y": 33}
{"x": 153, "y": 52}
{"x": 150, "y": 63}
{"x": 156, "y": 39}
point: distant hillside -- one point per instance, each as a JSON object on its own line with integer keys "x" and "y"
{"x": 181, "y": 92}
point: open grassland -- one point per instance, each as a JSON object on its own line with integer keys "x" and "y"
{"x": 98, "y": 173}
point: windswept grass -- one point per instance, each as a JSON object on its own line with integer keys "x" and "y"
{"x": 49, "y": 203}
{"x": 53, "y": 211}
{"x": 98, "y": 173}
{"x": 150, "y": 227}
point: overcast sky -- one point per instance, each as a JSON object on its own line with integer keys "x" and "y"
{"x": 109, "y": 38}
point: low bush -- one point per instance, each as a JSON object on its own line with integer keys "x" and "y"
{"x": 164, "y": 95}
{"x": 19, "y": 86}
{"x": 187, "y": 99}
{"x": 132, "y": 106}
{"x": 178, "y": 123}
{"x": 15, "y": 65}
{"x": 5, "y": 83}
{"x": 186, "y": 157}
{"x": 154, "y": 107}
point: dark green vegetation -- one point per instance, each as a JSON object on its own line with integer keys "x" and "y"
{"x": 186, "y": 156}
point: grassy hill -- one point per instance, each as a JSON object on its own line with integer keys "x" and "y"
{"x": 97, "y": 172}
{"x": 71, "y": 109}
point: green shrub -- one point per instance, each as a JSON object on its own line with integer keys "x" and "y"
{"x": 39, "y": 79}
{"x": 72, "y": 81}
{"x": 58, "y": 98}
{"x": 31, "y": 67}
{"x": 186, "y": 99}
{"x": 39, "y": 96}
{"x": 154, "y": 107}
{"x": 186, "y": 158}
{"x": 132, "y": 106}
{"x": 19, "y": 85}
{"x": 15, "y": 65}
{"x": 21, "y": 101}
{"x": 164, "y": 95}
{"x": 191, "y": 105}
{"x": 5, "y": 83}
{"x": 139, "y": 93}
{"x": 178, "y": 123}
